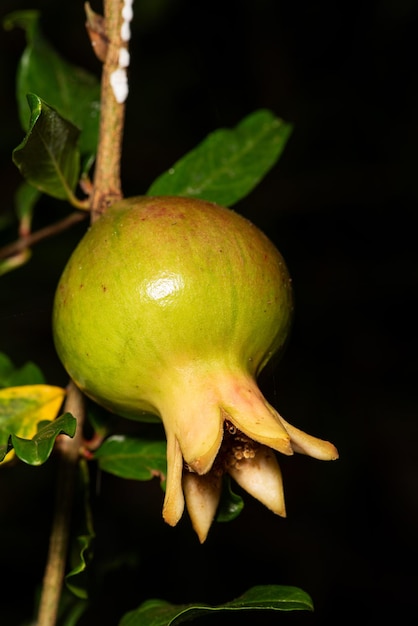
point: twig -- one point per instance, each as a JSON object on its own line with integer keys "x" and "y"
{"x": 43, "y": 233}
{"x": 69, "y": 450}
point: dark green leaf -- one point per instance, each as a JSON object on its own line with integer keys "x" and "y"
{"x": 72, "y": 614}
{"x": 71, "y": 609}
{"x": 72, "y": 91}
{"x": 133, "y": 458}
{"x": 230, "y": 505}
{"x": 82, "y": 551}
{"x": 269, "y": 597}
{"x": 28, "y": 374}
{"x": 99, "y": 419}
{"x": 229, "y": 163}
{"x": 5, "y": 449}
{"x": 6, "y": 370}
{"x": 74, "y": 579}
{"x": 11, "y": 376}
{"x": 37, "y": 450}
{"x": 48, "y": 157}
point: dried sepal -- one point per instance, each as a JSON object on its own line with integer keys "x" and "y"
{"x": 174, "y": 499}
{"x": 260, "y": 476}
{"x": 312, "y": 446}
{"x": 202, "y": 494}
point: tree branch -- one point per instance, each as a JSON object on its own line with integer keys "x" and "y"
{"x": 107, "y": 181}
{"x": 43, "y": 233}
{"x": 69, "y": 455}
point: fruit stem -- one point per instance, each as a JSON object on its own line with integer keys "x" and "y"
{"x": 69, "y": 456}
{"x": 107, "y": 186}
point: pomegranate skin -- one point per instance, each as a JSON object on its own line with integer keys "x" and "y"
{"x": 168, "y": 309}
{"x": 160, "y": 285}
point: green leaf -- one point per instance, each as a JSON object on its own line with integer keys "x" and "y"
{"x": 82, "y": 550}
{"x": 133, "y": 458}
{"x": 11, "y": 376}
{"x": 264, "y": 597}
{"x": 37, "y": 450}
{"x": 229, "y": 163}
{"x": 48, "y": 157}
{"x": 24, "y": 407}
{"x": 6, "y": 370}
{"x": 230, "y": 505}
{"x": 99, "y": 419}
{"x": 72, "y": 613}
{"x": 71, "y": 90}
{"x": 28, "y": 374}
{"x": 70, "y": 609}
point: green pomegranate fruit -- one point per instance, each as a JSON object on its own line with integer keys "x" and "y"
{"x": 171, "y": 307}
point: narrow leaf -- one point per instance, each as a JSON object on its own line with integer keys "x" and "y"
{"x": 229, "y": 163}
{"x": 22, "y": 408}
{"x": 48, "y": 157}
{"x": 270, "y": 597}
{"x": 71, "y": 90}
{"x": 37, "y": 450}
{"x": 71, "y": 609}
{"x": 82, "y": 550}
{"x": 133, "y": 458}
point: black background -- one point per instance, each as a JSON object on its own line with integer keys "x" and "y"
{"x": 341, "y": 206}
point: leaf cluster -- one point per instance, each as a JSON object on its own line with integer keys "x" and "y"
{"x": 59, "y": 110}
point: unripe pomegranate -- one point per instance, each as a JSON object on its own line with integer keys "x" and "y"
{"x": 172, "y": 306}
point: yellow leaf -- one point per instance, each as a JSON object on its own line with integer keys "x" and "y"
{"x": 23, "y": 407}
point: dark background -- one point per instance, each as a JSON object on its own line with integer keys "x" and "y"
{"x": 341, "y": 206}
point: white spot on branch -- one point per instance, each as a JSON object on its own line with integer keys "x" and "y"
{"x": 125, "y": 31}
{"x": 124, "y": 57}
{"x": 119, "y": 78}
{"x": 119, "y": 84}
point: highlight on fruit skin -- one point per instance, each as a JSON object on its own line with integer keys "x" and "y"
{"x": 171, "y": 307}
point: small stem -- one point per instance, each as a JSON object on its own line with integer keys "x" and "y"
{"x": 69, "y": 455}
{"x": 12, "y": 262}
{"x": 107, "y": 181}
{"x": 83, "y": 205}
{"x": 48, "y": 231}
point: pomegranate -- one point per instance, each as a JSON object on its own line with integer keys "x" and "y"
{"x": 171, "y": 307}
